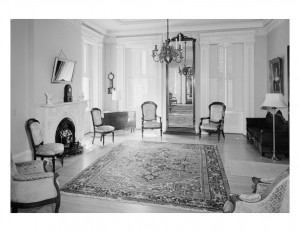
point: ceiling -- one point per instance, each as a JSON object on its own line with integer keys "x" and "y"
{"x": 139, "y": 27}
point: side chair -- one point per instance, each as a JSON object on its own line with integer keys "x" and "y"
{"x": 48, "y": 150}
{"x": 214, "y": 123}
{"x": 149, "y": 117}
{"x": 99, "y": 127}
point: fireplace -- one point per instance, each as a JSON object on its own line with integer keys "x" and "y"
{"x": 67, "y": 118}
{"x": 65, "y": 134}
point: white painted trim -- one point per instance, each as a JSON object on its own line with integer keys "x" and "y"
{"x": 23, "y": 156}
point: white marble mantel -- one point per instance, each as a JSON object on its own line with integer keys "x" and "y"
{"x": 50, "y": 115}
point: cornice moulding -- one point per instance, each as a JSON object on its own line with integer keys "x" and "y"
{"x": 88, "y": 34}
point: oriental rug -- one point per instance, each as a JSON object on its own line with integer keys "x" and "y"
{"x": 169, "y": 174}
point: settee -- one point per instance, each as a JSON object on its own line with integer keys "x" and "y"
{"x": 260, "y": 133}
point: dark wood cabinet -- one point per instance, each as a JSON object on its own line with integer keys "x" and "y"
{"x": 120, "y": 120}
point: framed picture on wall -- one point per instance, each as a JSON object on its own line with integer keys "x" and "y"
{"x": 276, "y": 75}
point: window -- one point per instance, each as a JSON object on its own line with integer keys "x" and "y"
{"x": 226, "y": 75}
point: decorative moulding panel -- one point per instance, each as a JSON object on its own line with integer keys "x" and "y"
{"x": 51, "y": 115}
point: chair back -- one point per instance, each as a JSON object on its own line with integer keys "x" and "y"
{"x": 35, "y": 132}
{"x": 96, "y": 117}
{"x": 149, "y": 111}
{"x": 217, "y": 111}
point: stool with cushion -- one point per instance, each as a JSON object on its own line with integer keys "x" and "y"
{"x": 99, "y": 127}
{"x": 32, "y": 186}
{"x": 48, "y": 150}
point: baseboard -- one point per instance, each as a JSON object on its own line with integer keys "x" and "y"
{"x": 22, "y": 156}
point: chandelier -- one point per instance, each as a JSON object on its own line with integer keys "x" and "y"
{"x": 167, "y": 52}
{"x": 185, "y": 70}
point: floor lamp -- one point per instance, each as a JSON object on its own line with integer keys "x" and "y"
{"x": 272, "y": 102}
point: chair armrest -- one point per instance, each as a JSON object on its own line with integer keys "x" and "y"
{"x": 32, "y": 177}
{"x": 159, "y": 118}
{"x": 255, "y": 122}
{"x": 204, "y": 118}
{"x": 30, "y": 167}
{"x": 229, "y": 205}
{"x": 250, "y": 197}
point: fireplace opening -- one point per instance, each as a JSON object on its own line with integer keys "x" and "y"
{"x": 65, "y": 134}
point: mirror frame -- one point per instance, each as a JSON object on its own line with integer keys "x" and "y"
{"x": 182, "y": 38}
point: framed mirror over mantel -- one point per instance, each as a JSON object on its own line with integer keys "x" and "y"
{"x": 181, "y": 89}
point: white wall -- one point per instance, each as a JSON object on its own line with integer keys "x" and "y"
{"x": 277, "y": 41}
{"x": 19, "y": 84}
{"x": 34, "y": 46}
{"x": 260, "y": 74}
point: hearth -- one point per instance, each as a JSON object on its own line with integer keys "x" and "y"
{"x": 65, "y": 134}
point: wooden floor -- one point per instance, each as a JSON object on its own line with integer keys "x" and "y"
{"x": 241, "y": 160}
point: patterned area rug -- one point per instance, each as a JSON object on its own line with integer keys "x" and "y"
{"x": 181, "y": 175}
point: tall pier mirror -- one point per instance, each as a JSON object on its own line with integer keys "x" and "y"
{"x": 181, "y": 88}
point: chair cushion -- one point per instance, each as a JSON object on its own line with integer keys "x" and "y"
{"x": 105, "y": 129}
{"x": 50, "y": 149}
{"x": 152, "y": 125}
{"x": 250, "y": 197}
{"x": 209, "y": 126}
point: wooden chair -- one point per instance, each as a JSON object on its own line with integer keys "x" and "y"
{"x": 49, "y": 150}
{"x": 99, "y": 127}
{"x": 32, "y": 186}
{"x": 215, "y": 122}
{"x": 149, "y": 117}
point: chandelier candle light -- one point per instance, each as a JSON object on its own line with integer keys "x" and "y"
{"x": 167, "y": 52}
{"x": 185, "y": 70}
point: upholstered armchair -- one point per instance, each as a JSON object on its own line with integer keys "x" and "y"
{"x": 269, "y": 196}
{"x": 149, "y": 117}
{"x": 40, "y": 149}
{"x": 32, "y": 186}
{"x": 215, "y": 122}
{"x": 99, "y": 127}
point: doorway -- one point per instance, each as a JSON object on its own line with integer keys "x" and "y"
{"x": 181, "y": 88}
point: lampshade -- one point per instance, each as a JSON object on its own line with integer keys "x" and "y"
{"x": 273, "y": 100}
{"x": 116, "y": 95}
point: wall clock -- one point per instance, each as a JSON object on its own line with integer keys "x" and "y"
{"x": 111, "y": 77}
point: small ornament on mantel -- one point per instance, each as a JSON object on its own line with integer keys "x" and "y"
{"x": 48, "y": 98}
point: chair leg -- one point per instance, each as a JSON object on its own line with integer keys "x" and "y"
{"x": 161, "y": 132}
{"x": 103, "y": 139}
{"x": 142, "y": 133}
{"x": 57, "y": 205}
{"x": 62, "y": 160}
{"x": 94, "y": 137}
{"x": 199, "y": 133}
{"x": 219, "y": 136}
{"x": 14, "y": 208}
{"x": 113, "y": 137}
{"x": 223, "y": 134}
{"x": 53, "y": 164}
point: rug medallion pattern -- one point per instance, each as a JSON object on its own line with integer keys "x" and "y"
{"x": 184, "y": 175}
